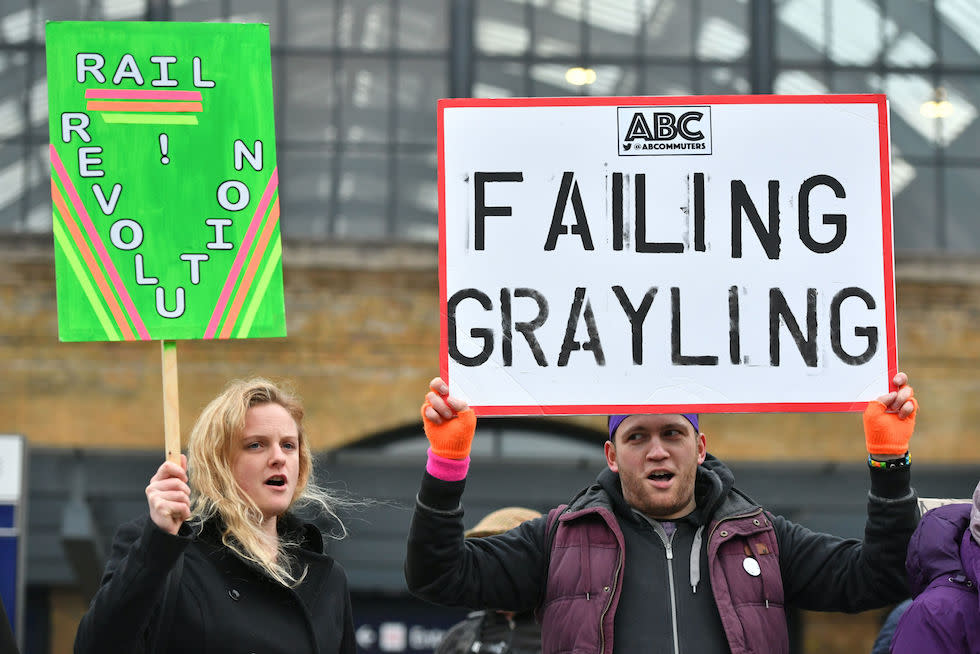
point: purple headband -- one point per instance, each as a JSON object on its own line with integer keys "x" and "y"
{"x": 614, "y": 422}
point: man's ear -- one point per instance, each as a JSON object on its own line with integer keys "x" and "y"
{"x": 611, "y": 457}
{"x": 702, "y": 448}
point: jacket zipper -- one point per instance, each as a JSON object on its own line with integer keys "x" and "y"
{"x": 673, "y": 593}
{"x": 612, "y": 593}
{"x": 668, "y": 546}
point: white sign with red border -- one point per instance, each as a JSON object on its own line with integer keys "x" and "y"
{"x": 666, "y": 254}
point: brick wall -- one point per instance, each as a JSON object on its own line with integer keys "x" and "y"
{"x": 363, "y": 343}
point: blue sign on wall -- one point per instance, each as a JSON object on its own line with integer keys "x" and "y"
{"x": 400, "y": 625}
{"x": 12, "y": 524}
{"x": 8, "y": 562}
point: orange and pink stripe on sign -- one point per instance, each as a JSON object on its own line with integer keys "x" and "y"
{"x": 93, "y": 268}
{"x": 246, "y": 245}
{"x": 122, "y": 94}
{"x": 145, "y": 106}
{"x": 155, "y": 101}
{"x": 103, "y": 255}
{"x": 156, "y": 107}
{"x": 246, "y": 285}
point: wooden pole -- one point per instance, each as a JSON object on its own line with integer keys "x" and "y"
{"x": 171, "y": 403}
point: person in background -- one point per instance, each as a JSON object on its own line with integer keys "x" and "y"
{"x": 663, "y": 553}
{"x": 221, "y": 563}
{"x": 883, "y": 641}
{"x": 944, "y": 569}
{"x": 496, "y": 632}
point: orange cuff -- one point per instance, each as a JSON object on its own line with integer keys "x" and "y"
{"x": 885, "y": 433}
{"x": 451, "y": 439}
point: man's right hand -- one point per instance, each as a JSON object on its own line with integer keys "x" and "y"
{"x": 169, "y": 496}
{"x": 448, "y": 421}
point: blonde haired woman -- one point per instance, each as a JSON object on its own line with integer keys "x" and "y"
{"x": 221, "y": 564}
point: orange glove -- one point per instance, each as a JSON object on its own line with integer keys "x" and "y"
{"x": 886, "y": 433}
{"x": 451, "y": 439}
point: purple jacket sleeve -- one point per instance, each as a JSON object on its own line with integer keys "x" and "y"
{"x": 931, "y": 625}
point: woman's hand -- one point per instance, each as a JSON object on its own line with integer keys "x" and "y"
{"x": 169, "y": 496}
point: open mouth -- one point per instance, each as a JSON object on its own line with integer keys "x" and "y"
{"x": 277, "y": 480}
{"x": 661, "y": 476}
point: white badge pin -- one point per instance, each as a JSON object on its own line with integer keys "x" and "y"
{"x": 752, "y": 566}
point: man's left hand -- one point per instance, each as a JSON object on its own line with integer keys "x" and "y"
{"x": 890, "y": 420}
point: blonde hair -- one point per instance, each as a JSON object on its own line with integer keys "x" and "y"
{"x": 213, "y": 446}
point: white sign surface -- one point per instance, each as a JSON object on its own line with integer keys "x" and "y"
{"x": 711, "y": 254}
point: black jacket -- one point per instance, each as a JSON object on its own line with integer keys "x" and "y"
{"x": 223, "y": 604}
{"x": 819, "y": 571}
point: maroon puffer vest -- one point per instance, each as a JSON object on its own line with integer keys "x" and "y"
{"x": 751, "y": 607}
{"x": 587, "y": 558}
{"x": 580, "y": 602}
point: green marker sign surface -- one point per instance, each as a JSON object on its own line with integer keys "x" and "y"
{"x": 164, "y": 182}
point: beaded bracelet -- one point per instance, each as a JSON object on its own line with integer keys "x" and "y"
{"x": 891, "y": 463}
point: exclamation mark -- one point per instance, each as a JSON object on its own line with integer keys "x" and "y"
{"x": 163, "y": 149}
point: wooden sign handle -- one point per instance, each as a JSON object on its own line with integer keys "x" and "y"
{"x": 171, "y": 403}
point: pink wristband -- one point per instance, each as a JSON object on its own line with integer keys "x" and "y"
{"x": 446, "y": 469}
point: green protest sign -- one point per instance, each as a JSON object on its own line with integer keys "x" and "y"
{"x": 164, "y": 181}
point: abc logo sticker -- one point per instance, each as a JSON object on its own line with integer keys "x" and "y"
{"x": 652, "y": 131}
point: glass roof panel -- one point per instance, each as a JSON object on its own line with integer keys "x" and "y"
{"x": 720, "y": 39}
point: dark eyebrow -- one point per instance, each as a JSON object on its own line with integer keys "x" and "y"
{"x": 679, "y": 426}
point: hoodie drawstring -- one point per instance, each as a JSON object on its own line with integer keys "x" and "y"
{"x": 696, "y": 559}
